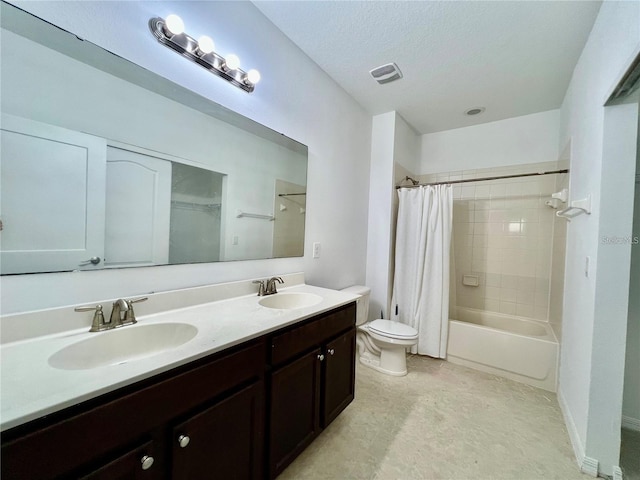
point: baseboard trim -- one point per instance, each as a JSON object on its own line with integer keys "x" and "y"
{"x": 617, "y": 473}
{"x": 589, "y": 466}
{"x": 576, "y": 443}
{"x": 630, "y": 423}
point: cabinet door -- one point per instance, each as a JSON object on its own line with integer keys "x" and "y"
{"x": 138, "y": 464}
{"x": 295, "y": 408}
{"x": 339, "y": 376}
{"x": 225, "y": 441}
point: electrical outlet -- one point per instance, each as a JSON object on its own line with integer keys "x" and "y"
{"x": 234, "y": 240}
{"x": 316, "y": 249}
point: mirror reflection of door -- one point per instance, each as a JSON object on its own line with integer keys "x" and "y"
{"x": 138, "y": 207}
{"x": 160, "y": 212}
{"x": 52, "y": 198}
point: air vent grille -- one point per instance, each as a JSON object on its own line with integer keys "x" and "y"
{"x": 386, "y": 73}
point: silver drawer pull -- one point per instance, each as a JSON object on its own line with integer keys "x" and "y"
{"x": 146, "y": 462}
{"x": 321, "y": 357}
{"x": 331, "y": 351}
{"x": 183, "y": 440}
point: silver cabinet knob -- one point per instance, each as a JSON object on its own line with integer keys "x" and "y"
{"x": 183, "y": 440}
{"x": 146, "y": 462}
{"x": 321, "y": 357}
{"x": 331, "y": 351}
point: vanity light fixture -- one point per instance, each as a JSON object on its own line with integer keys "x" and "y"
{"x": 170, "y": 32}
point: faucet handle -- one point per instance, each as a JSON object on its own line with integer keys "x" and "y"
{"x": 137, "y": 300}
{"x": 260, "y": 287}
{"x": 130, "y": 316}
{"x": 97, "y": 324}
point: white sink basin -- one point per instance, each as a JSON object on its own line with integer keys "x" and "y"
{"x": 122, "y": 345}
{"x": 287, "y": 301}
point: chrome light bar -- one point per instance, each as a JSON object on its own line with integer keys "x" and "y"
{"x": 170, "y": 33}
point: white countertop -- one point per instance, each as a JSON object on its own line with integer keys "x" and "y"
{"x": 32, "y": 388}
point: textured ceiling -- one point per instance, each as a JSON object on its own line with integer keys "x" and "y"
{"x": 512, "y": 57}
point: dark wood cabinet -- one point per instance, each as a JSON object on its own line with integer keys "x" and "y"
{"x": 339, "y": 376}
{"x": 312, "y": 382}
{"x": 247, "y": 412}
{"x": 225, "y": 441}
{"x": 137, "y": 464}
{"x": 109, "y": 436}
{"x": 294, "y": 412}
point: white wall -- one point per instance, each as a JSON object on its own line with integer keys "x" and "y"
{"x": 631, "y": 398}
{"x": 394, "y": 146}
{"x": 514, "y": 141}
{"x": 406, "y": 160}
{"x": 381, "y": 193}
{"x": 558, "y": 257}
{"x": 294, "y": 97}
{"x": 406, "y": 147}
{"x": 593, "y": 330}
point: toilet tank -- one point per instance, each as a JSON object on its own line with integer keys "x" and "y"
{"x": 362, "y": 304}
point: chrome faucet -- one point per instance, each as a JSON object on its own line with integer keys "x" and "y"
{"x": 270, "y": 289}
{"x": 118, "y": 307}
{"x": 116, "y": 319}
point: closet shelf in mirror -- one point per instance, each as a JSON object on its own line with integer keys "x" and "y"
{"x": 240, "y": 214}
{"x": 196, "y": 206}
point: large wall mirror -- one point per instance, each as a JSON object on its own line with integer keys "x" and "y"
{"x": 105, "y": 164}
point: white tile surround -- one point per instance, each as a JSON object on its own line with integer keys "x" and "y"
{"x": 503, "y": 233}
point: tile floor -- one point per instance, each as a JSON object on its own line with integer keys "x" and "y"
{"x": 441, "y": 421}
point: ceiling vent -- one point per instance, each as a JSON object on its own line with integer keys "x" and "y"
{"x": 474, "y": 111}
{"x": 386, "y": 73}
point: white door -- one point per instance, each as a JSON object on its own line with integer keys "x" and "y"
{"x": 52, "y": 198}
{"x": 138, "y": 209}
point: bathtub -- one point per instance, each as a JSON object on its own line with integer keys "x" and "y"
{"x": 517, "y": 348}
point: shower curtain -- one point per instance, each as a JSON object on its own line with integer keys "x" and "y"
{"x": 422, "y": 259}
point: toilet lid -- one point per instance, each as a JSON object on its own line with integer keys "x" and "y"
{"x": 393, "y": 329}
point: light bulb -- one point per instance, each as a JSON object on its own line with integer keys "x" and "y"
{"x": 174, "y": 24}
{"x": 253, "y": 76}
{"x": 205, "y": 44}
{"x": 232, "y": 61}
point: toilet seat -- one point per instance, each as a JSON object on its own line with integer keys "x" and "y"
{"x": 391, "y": 329}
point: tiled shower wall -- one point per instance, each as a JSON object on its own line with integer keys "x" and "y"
{"x": 503, "y": 234}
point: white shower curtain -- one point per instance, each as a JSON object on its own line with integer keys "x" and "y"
{"x": 421, "y": 280}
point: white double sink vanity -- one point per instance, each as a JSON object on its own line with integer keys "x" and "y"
{"x": 175, "y": 382}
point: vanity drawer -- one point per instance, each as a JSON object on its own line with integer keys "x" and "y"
{"x": 303, "y": 337}
{"x": 93, "y": 429}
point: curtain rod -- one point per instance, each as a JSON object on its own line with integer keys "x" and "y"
{"x": 552, "y": 172}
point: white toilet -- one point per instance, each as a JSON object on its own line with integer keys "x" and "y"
{"x": 381, "y": 344}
